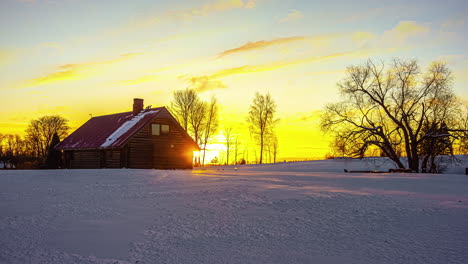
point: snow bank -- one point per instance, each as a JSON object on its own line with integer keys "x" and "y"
{"x": 281, "y": 214}
{"x": 453, "y": 166}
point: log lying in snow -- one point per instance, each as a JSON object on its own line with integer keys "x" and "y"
{"x": 363, "y": 171}
{"x": 375, "y": 171}
{"x": 400, "y": 170}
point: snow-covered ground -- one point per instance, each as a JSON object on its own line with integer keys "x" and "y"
{"x": 306, "y": 212}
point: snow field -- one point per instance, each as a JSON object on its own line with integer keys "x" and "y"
{"x": 284, "y": 213}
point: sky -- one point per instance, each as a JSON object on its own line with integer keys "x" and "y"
{"x": 79, "y": 58}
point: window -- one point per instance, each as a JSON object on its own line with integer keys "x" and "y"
{"x": 164, "y": 129}
{"x": 155, "y": 129}
{"x": 158, "y": 129}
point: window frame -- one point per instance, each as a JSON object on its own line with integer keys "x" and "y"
{"x": 161, "y": 129}
{"x": 151, "y": 129}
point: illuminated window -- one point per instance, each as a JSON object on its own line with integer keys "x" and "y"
{"x": 155, "y": 129}
{"x": 164, "y": 129}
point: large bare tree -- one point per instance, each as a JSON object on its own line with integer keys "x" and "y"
{"x": 198, "y": 118}
{"x": 395, "y": 109}
{"x": 211, "y": 125}
{"x": 228, "y": 141}
{"x": 262, "y": 119}
{"x": 40, "y": 131}
{"x": 182, "y": 106}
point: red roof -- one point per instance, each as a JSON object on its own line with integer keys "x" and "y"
{"x": 109, "y": 131}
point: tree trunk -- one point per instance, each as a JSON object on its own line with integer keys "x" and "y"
{"x": 261, "y": 149}
{"x": 424, "y": 164}
{"x": 415, "y": 159}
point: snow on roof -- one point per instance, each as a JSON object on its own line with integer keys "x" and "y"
{"x": 125, "y": 127}
{"x": 109, "y": 131}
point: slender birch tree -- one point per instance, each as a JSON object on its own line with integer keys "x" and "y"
{"x": 262, "y": 120}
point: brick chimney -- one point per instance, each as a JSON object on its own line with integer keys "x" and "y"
{"x": 137, "y": 106}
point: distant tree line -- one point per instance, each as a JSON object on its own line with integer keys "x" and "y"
{"x": 200, "y": 120}
{"x": 35, "y": 148}
{"x": 399, "y": 111}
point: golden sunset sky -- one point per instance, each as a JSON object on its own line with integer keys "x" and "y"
{"x": 82, "y": 57}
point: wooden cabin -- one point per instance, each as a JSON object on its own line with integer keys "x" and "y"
{"x": 144, "y": 139}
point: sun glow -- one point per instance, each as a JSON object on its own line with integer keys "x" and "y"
{"x": 97, "y": 66}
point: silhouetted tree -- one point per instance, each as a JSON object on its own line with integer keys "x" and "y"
{"x": 227, "y": 133}
{"x": 198, "y": 118}
{"x": 2, "y": 154}
{"x": 237, "y": 144}
{"x": 262, "y": 119}
{"x": 15, "y": 150}
{"x": 54, "y": 159}
{"x": 388, "y": 109}
{"x": 274, "y": 147}
{"x": 462, "y": 134}
{"x": 40, "y": 132}
{"x": 182, "y": 106}
{"x": 214, "y": 160}
{"x": 211, "y": 125}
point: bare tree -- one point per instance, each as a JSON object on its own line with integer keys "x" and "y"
{"x": 388, "y": 109}
{"x": 211, "y": 125}
{"x": 182, "y": 106}
{"x": 237, "y": 144}
{"x": 227, "y": 133}
{"x": 462, "y": 134}
{"x": 2, "y": 151}
{"x": 274, "y": 147}
{"x": 262, "y": 119}
{"x": 40, "y": 132}
{"x": 197, "y": 119}
{"x": 15, "y": 149}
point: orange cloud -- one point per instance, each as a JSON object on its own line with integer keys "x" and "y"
{"x": 74, "y": 71}
{"x": 260, "y": 45}
{"x": 210, "y": 82}
{"x": 276, "y": 65}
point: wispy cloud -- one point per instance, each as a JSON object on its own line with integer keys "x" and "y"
{"x": 260, "y": 45}
{"x": 213, "y": 7}
{"x": 293, "y": 15}
{"x": 276, "y": 65}
{"x": 365, "y": 14}
{"x": 75, "y": 71}
{"x": 405, "y": 30}
{"x": 211, "y": 82}
{"x": 6, "y": 56}
{"x": 141, "y": 79}
{"x": 188, "y": 14}
{"x": 204, "y": 83}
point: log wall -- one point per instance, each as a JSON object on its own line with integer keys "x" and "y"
{"x": 142, "y": 151}
{"x": 85, "y": 159}
{"x": 171, "y": 151}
